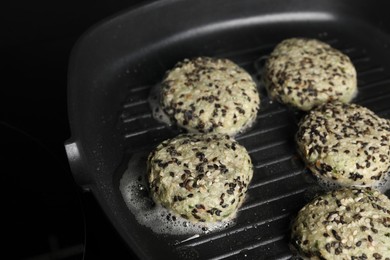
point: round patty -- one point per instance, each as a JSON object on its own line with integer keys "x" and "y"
{"x": 345, "y": 143}
{"x": 201, "y": 177}
{"x": 344, "y": 224}
{"x": 304, "y": 73}
{"x": 206, "y": 95}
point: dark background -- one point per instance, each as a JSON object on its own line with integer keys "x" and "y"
{"x": 46, "y": 215}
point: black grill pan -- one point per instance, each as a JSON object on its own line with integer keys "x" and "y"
{"x": 115, "y": 64}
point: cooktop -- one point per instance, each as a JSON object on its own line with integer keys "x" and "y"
{"x": 47, "y": 216}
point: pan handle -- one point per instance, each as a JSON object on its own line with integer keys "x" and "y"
{"x": 76, "y": 163}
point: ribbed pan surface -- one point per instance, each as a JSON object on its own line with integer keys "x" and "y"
{"x": 280, "y": 186}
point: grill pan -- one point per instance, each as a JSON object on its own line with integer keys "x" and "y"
{"x": 116, "y": 63}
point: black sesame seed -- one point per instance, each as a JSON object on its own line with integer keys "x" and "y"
{"x": 328, "y": 168}
{"x": 327, "y": 247}
{"x": 196, "y": 216}
{"x": 200, "y": 206}
{"x": 338, "y": 251}
{"x": 200, "y": 156}
{"x": 334, "y": 232}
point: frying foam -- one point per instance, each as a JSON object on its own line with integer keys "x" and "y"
{"x": 154, "y": 103}
{"x": 382, "y": 185}
{"x": 134, "y": 189}
{"x": 318, "y": 185}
